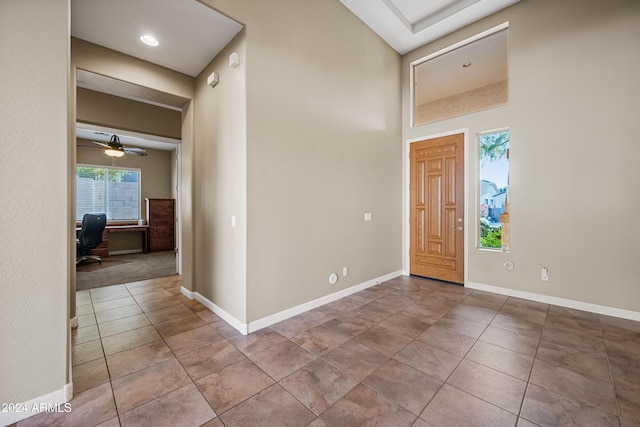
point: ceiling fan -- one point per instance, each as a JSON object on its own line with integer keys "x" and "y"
{"x": 114, "y": 148}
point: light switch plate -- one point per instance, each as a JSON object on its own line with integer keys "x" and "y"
{"x": 367, "y": 216}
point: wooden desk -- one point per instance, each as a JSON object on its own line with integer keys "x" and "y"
{"x": 103, "y": 249}
{"x": 129, "y": 228}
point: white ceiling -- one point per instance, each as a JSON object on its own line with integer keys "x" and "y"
{"x": 445, "y": 75}
{"x": 408, "y": 24}
{"x": 190, "y": 33}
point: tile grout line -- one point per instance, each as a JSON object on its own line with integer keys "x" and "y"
{"x": 611, "y": 378}
{"x": 529, "y": 383}
{"x": 104, "y": 354}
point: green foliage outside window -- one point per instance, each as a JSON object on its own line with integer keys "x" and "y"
{"x": 493, "y": 146}
{"x": 490, "y": 237}
{"x": 115, "y": 175}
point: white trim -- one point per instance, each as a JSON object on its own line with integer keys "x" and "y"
{"x": 461, "y": 43}
{"x": 242, "y": 327}
{"x": 294, "y": 311}
{"x": 32, "y": 407}
{"x": 563, "y": 302}
{"x": 187, "y": 293}
{"x": 178, "y": 225}
{"x": 247, "y": 328}
{"x": 230, "y": 319}
{"x": 406, "y": 268}
{"x": 73, "y": 322}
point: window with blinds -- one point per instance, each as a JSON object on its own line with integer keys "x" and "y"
{"x": 114, "y": 191}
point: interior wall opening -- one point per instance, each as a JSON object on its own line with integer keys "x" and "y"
{"x": 96, "y": 127}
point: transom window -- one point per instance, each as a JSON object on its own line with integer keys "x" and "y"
{"x": 114, "y": 191}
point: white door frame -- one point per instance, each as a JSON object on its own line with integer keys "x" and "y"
{"x": 178, "y": 224}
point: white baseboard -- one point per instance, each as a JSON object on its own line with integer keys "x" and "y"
{"x": 563, "y": 302}
{"x": 187, "y": 293}
{"x": 53, "y": 402}
{"x": 230, "y": 319}
{"x": 240, "y": 326}
{"x": 246, "y": 328}
{"x": 299, "y": 309}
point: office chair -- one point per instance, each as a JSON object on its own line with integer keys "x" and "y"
{"x": 90, "y": 237}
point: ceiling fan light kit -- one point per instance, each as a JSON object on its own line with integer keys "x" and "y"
{"x": 113, "y": 153}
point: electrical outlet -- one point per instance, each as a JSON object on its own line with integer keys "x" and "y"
{"x": 333, "y": 278}
{"x": 544, "y": 274}
{"x": 345, "y": 271}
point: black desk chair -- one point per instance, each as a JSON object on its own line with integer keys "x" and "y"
{"x": 90, "y": 237}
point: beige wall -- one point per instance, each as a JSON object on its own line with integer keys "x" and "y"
{"x": 34, "y": 149}
{"x": 100, "y": 60}
{"x": 574, "y": 98}
{"x": 322, "y": 148}
{"x": 220, "y": 182}
{"x": 156, "y": 177}
{"x": 113, "y": 111}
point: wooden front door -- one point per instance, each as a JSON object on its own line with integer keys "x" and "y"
{"x": 437, "y": 208}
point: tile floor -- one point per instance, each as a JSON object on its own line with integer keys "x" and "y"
{"x": 407, "y": 352}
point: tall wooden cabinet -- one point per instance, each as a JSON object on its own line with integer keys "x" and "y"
{"x": 161, "y": 220}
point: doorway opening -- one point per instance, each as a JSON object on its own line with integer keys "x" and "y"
{"x": 128, "y": 248}
{"x": 106, "y": 106}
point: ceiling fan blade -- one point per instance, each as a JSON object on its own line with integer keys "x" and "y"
{"x": 136, "y": 151}
{"x": 102, "y": 144}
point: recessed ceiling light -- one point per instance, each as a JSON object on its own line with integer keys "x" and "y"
{"x": 466, "y": 65}
{"x": 149, "y": 40}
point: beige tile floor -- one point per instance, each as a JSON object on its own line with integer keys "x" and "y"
{"x": 407, "y": 352}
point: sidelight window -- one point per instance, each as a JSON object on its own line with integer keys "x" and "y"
{"x": 494, "y": 189}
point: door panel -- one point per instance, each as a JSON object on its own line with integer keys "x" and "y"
{"x": 437, "y": 208}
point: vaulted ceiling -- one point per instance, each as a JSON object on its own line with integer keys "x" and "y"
{"x": 191, "y": 34}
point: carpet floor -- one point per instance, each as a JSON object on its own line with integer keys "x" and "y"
{"x": 117, "y": 269}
